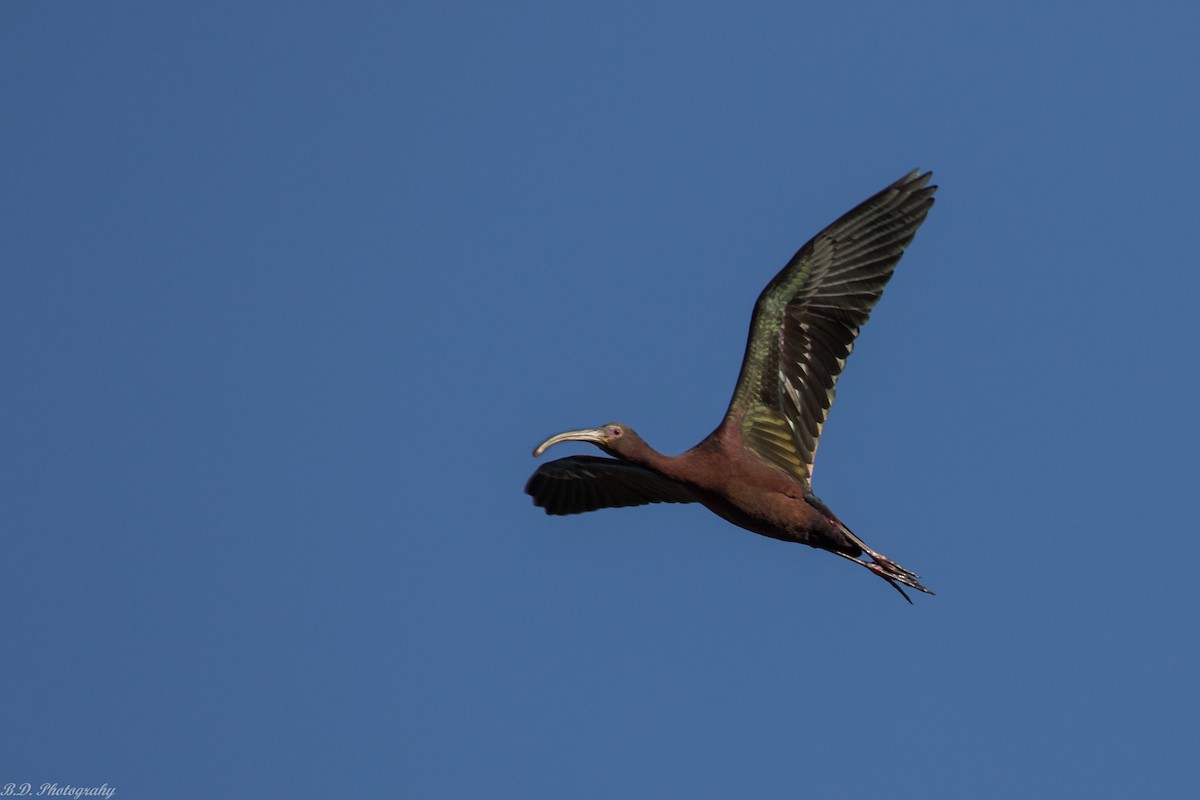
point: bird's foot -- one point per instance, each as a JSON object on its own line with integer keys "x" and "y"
{"x": 893, "y": 573}
{"x": 889, "y": 570}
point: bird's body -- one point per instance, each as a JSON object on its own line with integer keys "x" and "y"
{"x": 755, "y": 469}
{"x": 758, "y": 497}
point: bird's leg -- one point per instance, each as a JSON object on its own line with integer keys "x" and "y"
{"x": 890, "y": 571}
{"x": 891, "y": 567}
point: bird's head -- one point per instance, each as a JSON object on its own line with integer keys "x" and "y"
{"x": 614, "y": 438}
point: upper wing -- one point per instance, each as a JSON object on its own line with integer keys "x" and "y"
{"x": 576, "y": 484}
{"x": 807, "y": 317}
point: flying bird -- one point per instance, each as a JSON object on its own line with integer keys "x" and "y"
{"x": 755, "y": 469}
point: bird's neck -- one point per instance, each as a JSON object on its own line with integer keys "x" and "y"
{"x": 680, "y": 468}
{"x": 642, "y": 454}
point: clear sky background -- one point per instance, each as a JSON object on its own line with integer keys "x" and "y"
{"x": 291, "y": 290}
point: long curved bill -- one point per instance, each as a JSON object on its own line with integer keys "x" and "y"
{"x": 593, "y": 435}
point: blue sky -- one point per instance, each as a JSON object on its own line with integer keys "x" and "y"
{"x": 290, "y": 291}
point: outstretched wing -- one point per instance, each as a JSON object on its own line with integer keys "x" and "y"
{"x": 806, "y": 320}
{"x": 576, "y": 484}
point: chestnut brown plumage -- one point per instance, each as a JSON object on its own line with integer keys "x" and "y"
{"x": 755, "y": 469}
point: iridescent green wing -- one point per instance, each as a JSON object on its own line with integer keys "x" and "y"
{"x": 806, "y": 320}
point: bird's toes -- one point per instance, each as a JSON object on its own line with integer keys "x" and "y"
{"x": 891, "y": 571}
